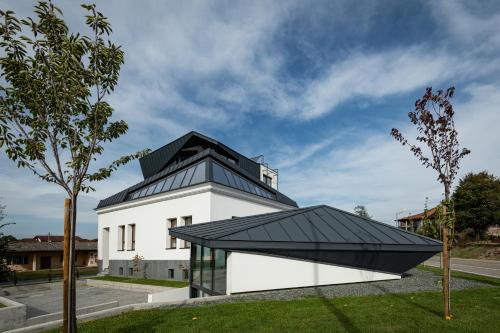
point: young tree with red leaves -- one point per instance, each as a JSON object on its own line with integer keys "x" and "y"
{"x": 433, "y": 117}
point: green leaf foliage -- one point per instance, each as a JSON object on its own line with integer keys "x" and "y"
{"x": 54, "y": 117}
{"x": 477, "y": 202}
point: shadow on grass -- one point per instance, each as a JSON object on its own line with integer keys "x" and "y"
{"x": 341, "y": 316}
{"x": 410, "y": 302}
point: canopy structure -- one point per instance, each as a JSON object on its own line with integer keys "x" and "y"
{"x": 319, "y": 233}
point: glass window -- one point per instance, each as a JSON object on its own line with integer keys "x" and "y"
{"x": 196, "y": 268}
{"x": 167, "y": 184}
{"x": 219, "y": 271}
{"x": 170, "y": 273}
{"x": 245, "y": 185}
{"x": 219, "y": 175}
{"x": 178, "y": 180}
{"x": 207, "y": 268}
{"x": 159, "y": 186}
{"x": 151, "y": 188}
{"x": 229, "y": 176}
{"x": 143, "y": 192}
{"x": 199, "y": 174}
{"x": 268, "y": 180}
{"x": 189, "y": 174}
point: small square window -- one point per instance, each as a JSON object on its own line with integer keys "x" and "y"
{"x": 120, "y": 270}
{"x": 130, "y": 271}
{"x": 170, "y": 273}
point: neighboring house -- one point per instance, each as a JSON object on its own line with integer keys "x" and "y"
{"x": 191, "y": 180}
{"x": 47, "y": 253}
{"x": 303, "y": 247}
{"x": 414, "y": 222}
{"x": 254, "y": 238}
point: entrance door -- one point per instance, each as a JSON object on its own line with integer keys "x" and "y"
{"x": 104, "y": 256}
{"x": 45, "y": 262}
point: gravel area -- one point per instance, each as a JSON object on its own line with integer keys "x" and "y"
{"x": 414, "y": 280}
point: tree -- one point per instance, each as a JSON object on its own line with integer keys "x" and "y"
{"x": 433, "y": 117}
{"x": 54, "y": 117}
{"x": 477, "y": 202}
{"x": 362, "y": 211}
{"x": 4, "y": 242}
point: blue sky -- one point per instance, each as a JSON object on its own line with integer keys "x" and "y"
{"x": 314, "y": 86}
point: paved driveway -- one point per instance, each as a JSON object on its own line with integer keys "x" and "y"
{"x": 481, "y": 267}
{"x": 47, "y": 297}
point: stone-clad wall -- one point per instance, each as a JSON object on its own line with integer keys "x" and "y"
{"x": 152, "y": 269}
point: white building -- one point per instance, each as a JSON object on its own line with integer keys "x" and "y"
{"x": 191, "y": 180}
{"x": 211, "y": 215}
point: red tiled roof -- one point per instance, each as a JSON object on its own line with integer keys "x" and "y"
{"x": 419, "y": 216}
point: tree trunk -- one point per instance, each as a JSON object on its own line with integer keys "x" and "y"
{"x": 446, "y": 257}
{"x": 72, "y": 269}
{"x": 67, "y": 228}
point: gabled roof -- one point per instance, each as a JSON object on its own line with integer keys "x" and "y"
{"x": 420, "y": 216}
{"x": 312, "y": 228}
{"x": 49, "y": 246}
{"x": 157, "y": 160}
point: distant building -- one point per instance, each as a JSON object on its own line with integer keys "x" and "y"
{"x": 46, "y": 252}
{"x": 414, "y": 222}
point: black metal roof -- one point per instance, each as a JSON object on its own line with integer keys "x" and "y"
{"x": 311, "y": 228}
{"x": 162, "y": 157}
{"x": 320, "y": 234}
{"x": 175, "y": 176}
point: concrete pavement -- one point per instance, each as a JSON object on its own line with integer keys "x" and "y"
{"x": 475, "y": 266}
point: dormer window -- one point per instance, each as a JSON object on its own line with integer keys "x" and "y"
{"x": 268, "y": 180}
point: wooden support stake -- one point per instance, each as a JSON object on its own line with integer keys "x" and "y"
{"x": 67, "y": 230}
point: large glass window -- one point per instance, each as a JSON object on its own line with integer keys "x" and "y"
{"x": 208, "y": 269}
{"x": 196, "y": 264}
{"x": 219, "y": 271}
{"x": 206, "y": 275}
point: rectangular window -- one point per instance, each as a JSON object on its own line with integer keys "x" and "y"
{"x": 171, "y": 240}
{"x": 170, "y": 273}
{"x": 188, "y": 220}
{"x": 120, "y": 270}
{"x": 130, "y": 271}
{"x": 131, "y": 237}
{"x": 219, "y": 268}
{"x": 206, "y": 267}
{"x": 121, "y": 237}
{"x": 268, "y": 180}
{"x": 20, "y": 260}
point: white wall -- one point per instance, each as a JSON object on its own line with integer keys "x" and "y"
{"x": 205, "y": 202}
{"x": 150, "y": 218}
{"x": 251, "y": 272}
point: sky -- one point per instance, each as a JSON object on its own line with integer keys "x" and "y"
{"x": 313, "y": 86}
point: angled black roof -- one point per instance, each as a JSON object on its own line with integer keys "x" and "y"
{"x": 162, "y": 157}
{"x": 311, "y": 228}
{"x": 206, "y": 166}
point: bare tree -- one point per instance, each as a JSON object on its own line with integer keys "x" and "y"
{"x": 433, "y": 117}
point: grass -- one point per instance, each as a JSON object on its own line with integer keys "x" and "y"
{"x": 472, "y": 252}
{"x": 462, "y": 275}
{"x": 152, "y": 282}
{"x": 2, "y": 305}
{"x": 475, "y": 310}
{"x": 54, "y": 273}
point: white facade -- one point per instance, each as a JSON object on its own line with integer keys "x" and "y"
{"x": 203, "y": 203}
{"x": 253, "y": 272}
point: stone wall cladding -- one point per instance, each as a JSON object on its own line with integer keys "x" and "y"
{"x": 151, "y": 269}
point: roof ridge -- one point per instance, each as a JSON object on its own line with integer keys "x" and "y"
{"x": 383, "y": 224}
{"x": 296, "y": 212}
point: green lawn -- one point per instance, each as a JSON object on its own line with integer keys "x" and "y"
{"x": 475, "y": 310}
{"x": 2, "y": 306}
{"x": 467, "y": 276}
{"x": 53, "y": 273}
{"x": 472, "y": 252}
{"x": 152, "y": 282}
